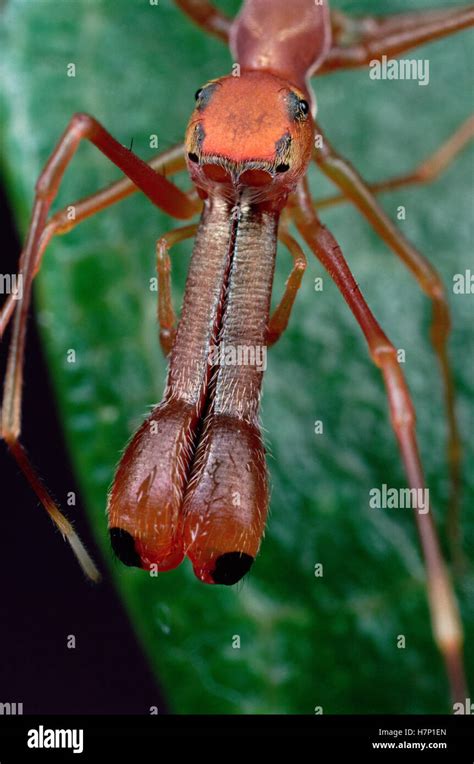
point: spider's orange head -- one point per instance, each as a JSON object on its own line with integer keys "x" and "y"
{"x": 251, "y": 134}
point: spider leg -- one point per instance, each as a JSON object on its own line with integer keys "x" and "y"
{"x": 281, "y": 315}
{"x": 161, "y": 191}
{"x": 427, "y": 172}
{"x": 166, "y": 314}
{"x": 346, "y": 177}
{"x": 358, "y": 41}
{"x": 447, "y": 628}
{"x": 207, "y": 16}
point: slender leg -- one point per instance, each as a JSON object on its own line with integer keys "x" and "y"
{"x": 206, "y": 16}
{"x": 163, "y": 193}
{"x": 61, "y": 223}
{"x": 62, "y": 523}
{"x": 427, "y": 172}
{"x": 446, "y": 623}
{"x": 357, "y": 41}
{"x": 341, "y": 172}
{"x": 281, "y": 315}
{"x": 167, "y": 163}
{"x": 166, "y": 314}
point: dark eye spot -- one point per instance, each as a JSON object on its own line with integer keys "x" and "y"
{"x": 304, "y": 107}
{"x": 298, "y": 108}
{"x": 283, "y": 153}
{"x": 204, "y": 95}
{"x": 193, "y": 157}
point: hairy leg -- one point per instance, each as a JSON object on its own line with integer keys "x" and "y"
{"x": 167, "y": 164}
{"x": 427, "y": 172}
{"x": 281, "y": 315}
{"x": 445, "y": 618}
{"x": 163, "y": 193}
{"x": 358, "y": 41}
{"x": 207, "y": 16}
{"x": 343, "y": 174}
{"x": 166, "y": 314}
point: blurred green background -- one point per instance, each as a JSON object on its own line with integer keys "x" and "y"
{"x": 305, "y": 641}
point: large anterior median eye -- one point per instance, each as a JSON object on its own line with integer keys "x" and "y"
{"x": 304, "y": 107}
{"x": 298, "y": 108}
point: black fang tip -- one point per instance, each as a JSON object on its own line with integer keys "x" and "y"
{"x": 123, "y": 545}
{"x": 231, "y": 567}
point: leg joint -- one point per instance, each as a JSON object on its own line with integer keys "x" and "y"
{"x": 383, "y": 354}
{"x": 300, "y": 266}
{"x": 82, "y": 123}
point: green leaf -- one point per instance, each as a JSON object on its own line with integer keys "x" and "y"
{"x": 305, "y": 641}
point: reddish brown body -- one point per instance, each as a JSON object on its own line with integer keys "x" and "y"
{"x": 289, "y": 38}
{"x": 193, "y": 480}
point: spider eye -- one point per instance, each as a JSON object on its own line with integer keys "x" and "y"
{"x": 303, "y": 107}
{"x": 204, "y": 95}
{"x": 298, "y": 108}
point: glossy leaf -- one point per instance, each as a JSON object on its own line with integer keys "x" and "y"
{"x": 306, "y": 641}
